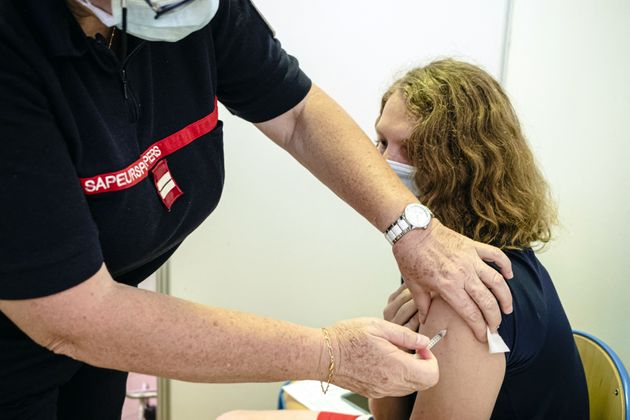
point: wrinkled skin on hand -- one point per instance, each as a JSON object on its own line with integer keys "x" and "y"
{"x": 370, "y": 360}
{"x": 439, "y": 260}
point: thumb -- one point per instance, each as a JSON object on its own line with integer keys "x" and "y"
{"x": 425, "y": 354}
{"x": 423, "y": 303}
{"x": 426, "y": 372}
{"x": 405, "y": 338}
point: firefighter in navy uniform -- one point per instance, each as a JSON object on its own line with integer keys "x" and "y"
{"x": 112, "y": 153}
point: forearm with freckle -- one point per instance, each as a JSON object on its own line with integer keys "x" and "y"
{"x": 136, "y": 330}
{"x": 174, "y": 338}
{"x": 333, "y": 147}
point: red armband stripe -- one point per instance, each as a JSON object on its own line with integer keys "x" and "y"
{"x": 139, "y": 170}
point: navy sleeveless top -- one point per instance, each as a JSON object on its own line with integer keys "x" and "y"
{"x": 544, "y": 377}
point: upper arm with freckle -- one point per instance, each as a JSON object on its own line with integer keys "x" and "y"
{"x": 470, "y": 377}
{"x": 281, "y": 129}
{"x": 54, "y": 320}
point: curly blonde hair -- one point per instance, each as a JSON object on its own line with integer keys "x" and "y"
{"x": 475, "y": 169}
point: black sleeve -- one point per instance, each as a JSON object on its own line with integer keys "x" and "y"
{"x": 48, "y": 240}
{"x": 257, "y": 79}
{"x": 524, "y": 330}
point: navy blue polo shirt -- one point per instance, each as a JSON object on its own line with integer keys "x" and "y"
{"x": 84, "y": 160}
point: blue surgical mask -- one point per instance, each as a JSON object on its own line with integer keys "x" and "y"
{"x": 406, "y": 173}
{"x": 170, "y": 27}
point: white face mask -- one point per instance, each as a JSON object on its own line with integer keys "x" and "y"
{"x": 406, "y": 173}
{"x": 170, "y": 27}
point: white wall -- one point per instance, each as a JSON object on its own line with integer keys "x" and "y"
{"x": 568, "y": 77}
{"x": 269, "y": 247}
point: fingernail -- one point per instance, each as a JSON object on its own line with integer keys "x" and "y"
{"x": 421, "y": 341}
{"x": 510, "y": 310}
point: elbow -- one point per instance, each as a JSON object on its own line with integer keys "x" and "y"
{"x": 61, "y": 346}
{"x": 67, "y": 322}
{"x": 287, "y": 130}
{"x": 292, "y": 141}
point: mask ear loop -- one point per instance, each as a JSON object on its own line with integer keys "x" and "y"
{"x": 123, "y": 41}
{"x": 123, "y": 48}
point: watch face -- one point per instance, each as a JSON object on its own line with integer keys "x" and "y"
{"x": 418, "y": 215}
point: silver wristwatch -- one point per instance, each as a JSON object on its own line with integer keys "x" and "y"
{"x": 415, "y": 216}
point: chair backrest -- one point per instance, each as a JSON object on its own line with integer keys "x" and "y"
{"x": 606, "y": 377}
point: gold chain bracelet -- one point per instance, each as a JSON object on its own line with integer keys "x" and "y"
{"x": 331, "y": 364}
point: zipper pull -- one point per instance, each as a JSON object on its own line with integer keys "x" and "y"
{"x": 124, "y": 82}
{"x": 130, "y": 98}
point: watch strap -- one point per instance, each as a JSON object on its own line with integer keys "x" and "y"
{"x": 402, "y": 225}
{"x": 397, "y": 230}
